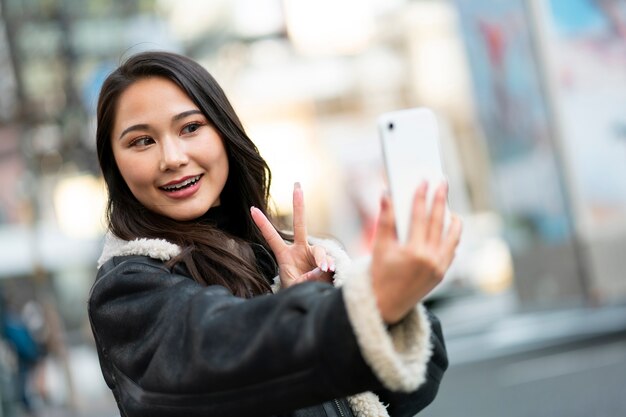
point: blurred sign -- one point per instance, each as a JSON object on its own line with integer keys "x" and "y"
{"x": 583, "y": 49}
{"x": 586, "y": 52}
{"x": 514, "y": 117}
{"x": 527, "y": 180}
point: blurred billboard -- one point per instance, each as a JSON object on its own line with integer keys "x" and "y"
{"x": 582, "y": 44}
{"x": 549, "y": 81}
{"x": 526, "y": 179}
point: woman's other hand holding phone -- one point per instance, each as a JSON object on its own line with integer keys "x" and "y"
{"x": 404, "y": 273}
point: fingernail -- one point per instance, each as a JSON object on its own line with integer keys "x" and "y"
{"x": 296, "y": 186}
{"x": 332, "y": 267}
{"x": 324, "y": 267}
{"x": 252, "y": 208}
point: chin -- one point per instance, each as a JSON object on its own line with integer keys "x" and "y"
{"x": 185, "y": 217}
{"x": 185, "y": 214}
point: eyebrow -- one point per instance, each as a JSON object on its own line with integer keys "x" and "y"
{"x": 144, "y": 126}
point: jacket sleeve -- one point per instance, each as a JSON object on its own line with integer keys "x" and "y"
{"x": 409, "y": 404}
{"x": 168, "y": 343}
{"x": 398, "y": 354}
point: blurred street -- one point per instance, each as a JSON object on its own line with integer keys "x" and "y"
{"x": 575, "y": 379}
{"x": 555, "y": 363}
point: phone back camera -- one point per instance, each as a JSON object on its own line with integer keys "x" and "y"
{"x": 390, "y": 126}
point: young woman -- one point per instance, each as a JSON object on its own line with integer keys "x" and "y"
{"x": 201, "y": 308}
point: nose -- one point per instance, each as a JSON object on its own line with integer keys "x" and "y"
{"x": 173, "y": 154}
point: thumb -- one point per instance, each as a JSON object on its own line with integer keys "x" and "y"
{"x": 312, "y": 275}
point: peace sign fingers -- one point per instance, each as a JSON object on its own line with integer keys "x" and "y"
{"x": 271, "y": 236}
{"x": 297, "y": 262}
{"x": 299, "y": 221}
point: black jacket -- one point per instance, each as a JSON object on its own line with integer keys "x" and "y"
{"x": 169, "y": 347}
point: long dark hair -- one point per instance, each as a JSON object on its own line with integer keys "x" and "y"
{"x": 210, "y": 254}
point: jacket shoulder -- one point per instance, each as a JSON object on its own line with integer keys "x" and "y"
{"x": 131, "y": 262}
{"x": 134, "y": 274}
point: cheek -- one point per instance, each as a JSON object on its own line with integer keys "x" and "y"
{"x": 216, "y": 160}
{"x": 223, "y": 170}
{"x": 134, "y": 171}
{"x": 223, "y": 166}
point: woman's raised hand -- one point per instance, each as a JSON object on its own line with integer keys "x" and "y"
{"x": 300, "y": 261}
{"x": 404, "y": 273}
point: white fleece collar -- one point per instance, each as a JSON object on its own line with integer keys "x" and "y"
{"x": 154, "y": 248}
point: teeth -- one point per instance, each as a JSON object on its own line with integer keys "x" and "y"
{"x": 182, "y": 184}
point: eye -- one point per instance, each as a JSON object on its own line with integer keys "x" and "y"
{"x": 191, "y": 127}
{"x": 141, "y": 142}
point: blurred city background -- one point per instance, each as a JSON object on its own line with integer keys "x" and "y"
{"x": 531, "y": 100}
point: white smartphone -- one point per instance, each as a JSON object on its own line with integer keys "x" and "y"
{"x": 411, "y": 154}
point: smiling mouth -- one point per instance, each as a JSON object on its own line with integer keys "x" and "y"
{"x": 189, "y": 182}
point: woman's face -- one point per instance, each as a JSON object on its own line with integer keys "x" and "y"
{"x": 170, "y": 156}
